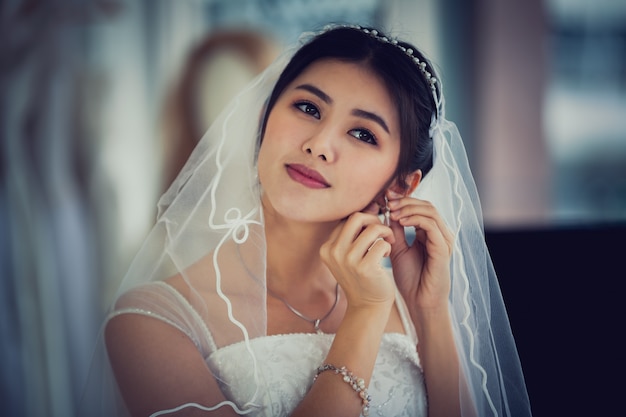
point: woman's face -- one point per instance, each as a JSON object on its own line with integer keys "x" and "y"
{"x": 331, "y": 143}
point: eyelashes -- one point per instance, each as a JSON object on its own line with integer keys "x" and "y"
{"x": 364, "y": 135}
{"x": 308, "y": 108}
{"x": 361, "y": 134}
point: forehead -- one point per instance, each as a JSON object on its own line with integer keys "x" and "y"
{"x": 331, "y": 69}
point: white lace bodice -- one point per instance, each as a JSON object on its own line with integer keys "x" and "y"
{"x": 286, "y": 363}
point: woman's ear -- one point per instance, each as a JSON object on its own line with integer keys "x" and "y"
{"x": 412, "y": 180}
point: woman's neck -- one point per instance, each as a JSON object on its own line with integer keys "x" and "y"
{"x": 293, "y": 257}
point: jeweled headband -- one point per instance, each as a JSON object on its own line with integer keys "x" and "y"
{"x": 421, "y": 65}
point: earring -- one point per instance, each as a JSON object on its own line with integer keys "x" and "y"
{"x": 387, "y": 212}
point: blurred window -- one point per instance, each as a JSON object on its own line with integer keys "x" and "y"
{"x": 585, "y": 109}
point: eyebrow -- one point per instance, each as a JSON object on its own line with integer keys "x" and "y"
{"x": 356, "y": 112}
{"x": 371, "y": 116}
{"x": 315, "y": 91}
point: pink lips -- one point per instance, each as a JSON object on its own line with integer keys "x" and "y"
{"x": 306, "y": 176}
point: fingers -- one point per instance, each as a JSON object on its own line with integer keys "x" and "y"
{"x": 424, "y": 217}
{"x": 400, "y": 242}
{"x": 353, "y": 253}
{"x": 357, "y": 245}
{"x": 380, "y": 248}
{"x": 378, "y": 239}
{"x": 362, "y": 235}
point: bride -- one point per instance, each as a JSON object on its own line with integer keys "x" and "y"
{"x": 279, "y": 280}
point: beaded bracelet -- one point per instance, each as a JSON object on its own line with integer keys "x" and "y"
{"x": 357, "y": 384}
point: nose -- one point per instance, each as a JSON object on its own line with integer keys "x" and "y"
{"x": 321, "y": 145}
{"x": 321, "y": 156}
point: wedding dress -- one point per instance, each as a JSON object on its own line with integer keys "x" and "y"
{"x": 286, "y": 362}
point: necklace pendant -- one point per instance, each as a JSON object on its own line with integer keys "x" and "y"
{"x": 317, "y": 327}
{"x": 316, "y": 322}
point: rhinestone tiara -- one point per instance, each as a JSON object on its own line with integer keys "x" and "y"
{"x": 421, "y": 65}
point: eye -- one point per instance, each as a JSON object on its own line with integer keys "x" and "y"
{"x": 364, "y": 135}
{"x": 308, "y": 108}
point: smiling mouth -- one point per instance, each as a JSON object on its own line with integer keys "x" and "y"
{"x": 306, "y": 176}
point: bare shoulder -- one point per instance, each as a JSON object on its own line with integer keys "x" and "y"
{"x": 132, "y": 331}
{"x": 156, "y": 365}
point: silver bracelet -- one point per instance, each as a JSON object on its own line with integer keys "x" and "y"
{"x": 357, "y": 384}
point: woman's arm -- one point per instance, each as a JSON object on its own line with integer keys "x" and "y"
{"x": 355, "y": 346}
{"x": 422, "y": 273}
{"x": 440, "y": 362}
{"x": 353, "y": 255}
{"x": 158, "y": 367}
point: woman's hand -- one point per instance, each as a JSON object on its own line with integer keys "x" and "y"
{"x": 422, "y": 274}
{"x": 353, "y": 253}
{"x": 421, "y": 270}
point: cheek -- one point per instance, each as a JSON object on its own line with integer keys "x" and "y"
{"x": 369, "y": 179}
{"x": 264, "y": 160}
{"x": 269, "y": 147}
{"x": 279, "y": 124}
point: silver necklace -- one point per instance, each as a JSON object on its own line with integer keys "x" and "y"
{"x": 316, "y": 322}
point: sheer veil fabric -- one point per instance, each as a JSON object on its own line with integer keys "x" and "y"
{"x": 209, "y": 237}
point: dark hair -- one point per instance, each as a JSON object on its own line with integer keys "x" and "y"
{"x": 402, "y": 77}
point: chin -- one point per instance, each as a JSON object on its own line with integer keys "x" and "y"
{"x": 292, "y": 209}
{"x": 296, "y": 213}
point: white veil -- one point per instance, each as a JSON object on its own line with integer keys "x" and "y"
{"x": 487, "y": 351}
{"x": 209, "y": 233}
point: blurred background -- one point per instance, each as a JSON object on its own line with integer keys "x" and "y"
{"x": 101, "y": 101}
